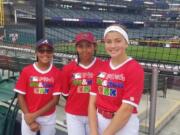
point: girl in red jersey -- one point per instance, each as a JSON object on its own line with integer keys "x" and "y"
{"x": 115, "y": 96}
{"x": 77, "y": 83}
{"x": 38, "y": 91}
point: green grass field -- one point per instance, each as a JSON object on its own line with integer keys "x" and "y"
{"x": 143, "y": 53}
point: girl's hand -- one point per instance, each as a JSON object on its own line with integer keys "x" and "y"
{"x": 29, "y": 118}
{"x": 34, "y": 126}
{"x": 107, "y": 133}
{"x": 94, "y": 133}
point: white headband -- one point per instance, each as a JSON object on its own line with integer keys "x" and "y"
{"x": 117, "y": 29}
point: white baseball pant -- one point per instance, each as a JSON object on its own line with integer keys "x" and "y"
{"x": 131, "y": 127}
{"x": 77, "y": 125}
{"x": 47, "y": 124}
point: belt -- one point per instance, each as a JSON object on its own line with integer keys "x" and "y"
{"x": 106, "y": 114}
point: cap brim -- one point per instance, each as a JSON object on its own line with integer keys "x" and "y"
{"x": 84, "y": 40}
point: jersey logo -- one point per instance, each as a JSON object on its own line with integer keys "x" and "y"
{"x": 45, "y": 42}
{"x": 109, "y": 84}
{"x": 107, "y": 91}
{"x": 83, "y": 89}
{"x": 77, "y": 76}
{"x": 102, "y": 75}
{"x": 82, "y": 82}
{"x": 41, "y": 85}
{"x": 41, "y": 90}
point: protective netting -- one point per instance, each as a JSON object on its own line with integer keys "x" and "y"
{"x": 153, "y": 26}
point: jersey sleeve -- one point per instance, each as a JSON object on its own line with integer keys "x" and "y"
{"x": 58, "y": 83}
{"x": 134, "y": 86}
{"x": 22, "y": 83}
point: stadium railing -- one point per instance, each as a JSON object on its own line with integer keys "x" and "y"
{"x": 8, "y": 106}
{"x": 162, "y": 83}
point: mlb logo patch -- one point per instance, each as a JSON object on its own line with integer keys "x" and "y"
{"x": 77, "y": 76}
{"x": 34, "y": 78}
{"x": 102, "y": 75}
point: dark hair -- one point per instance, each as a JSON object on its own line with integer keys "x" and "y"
{"x": 78, "y": 58}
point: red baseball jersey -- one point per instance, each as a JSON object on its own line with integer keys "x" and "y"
{"x": 112, "y": 86}
{"x": 77, "y": 85}
{"x": 38, "y": 86}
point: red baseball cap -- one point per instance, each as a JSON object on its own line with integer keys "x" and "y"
{"x": 87, "y": 36}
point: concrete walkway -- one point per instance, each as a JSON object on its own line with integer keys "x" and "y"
{"x": 167, "y": 114}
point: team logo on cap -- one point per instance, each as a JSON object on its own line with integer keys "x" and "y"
{"x": 45, "y": 42}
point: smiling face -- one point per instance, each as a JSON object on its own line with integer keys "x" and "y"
{"x": 115, "y": 44}
{"x": 44, "y": 54}
{"x": 85, "y": 50}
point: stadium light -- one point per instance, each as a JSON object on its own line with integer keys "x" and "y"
{"x": 158, "y": 15}
{"x": 121, "y": 6}
{"x": 90, "y": 3}
{"x": 128, "y": 0}
{"x": 70, "y": 19}
{"x": 148, "y": 3}
{"x": 8, "y": 2}
{"x": 175, "y": 4}
{"x": 138, "y": 22}
{"x": 101, "y": 4}
{"x": 72, "y": 1}
{"x": 109, "y": 21}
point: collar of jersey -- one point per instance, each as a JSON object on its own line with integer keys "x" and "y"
{"x": 120, "y": 65}
{"x": 42, "y": 71}
{"x": 88, "y": 66}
